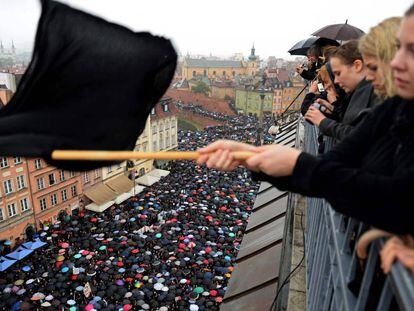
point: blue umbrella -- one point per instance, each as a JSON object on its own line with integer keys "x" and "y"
{"x": 5, "y": 263}
{"x": 34, "y": 245}
{"x": 19, "y": 253}
{"x": 17, "y": 306}
{"x": 7, "y": 242}
{"x": 26, "y": 268}
{"x": 65, "y": 269}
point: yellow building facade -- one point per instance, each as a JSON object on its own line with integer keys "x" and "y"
{"x": 219, "y": 69}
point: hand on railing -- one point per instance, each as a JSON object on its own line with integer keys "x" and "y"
{"x": 398, "y": 248}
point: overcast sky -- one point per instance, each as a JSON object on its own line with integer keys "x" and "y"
{"x": 219, "y": 27}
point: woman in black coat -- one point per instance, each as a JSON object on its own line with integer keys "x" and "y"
{"x": 369, "y": 175}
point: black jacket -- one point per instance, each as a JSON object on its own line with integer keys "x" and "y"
{"x": 359, "y": 104}
{"x": 369, "y": 175}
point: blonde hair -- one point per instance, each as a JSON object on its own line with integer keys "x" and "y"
{"x": 379, "y": 43}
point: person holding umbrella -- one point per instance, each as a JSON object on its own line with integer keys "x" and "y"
{"x": 314, "y": 63}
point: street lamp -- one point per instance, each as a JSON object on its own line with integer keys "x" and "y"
{"x": 259, "y": 140}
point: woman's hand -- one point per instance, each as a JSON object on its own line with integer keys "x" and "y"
{"x": 314, "y": 115}
{"x": 313, "y": 87}
{"x": 325, "y": 103}
{"x": 219, "y": 154}
{"x": 394, "y": 249}
{"x": 274, "y": 160}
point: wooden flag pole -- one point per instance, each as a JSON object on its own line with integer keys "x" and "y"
{"x": 134, "y": 155}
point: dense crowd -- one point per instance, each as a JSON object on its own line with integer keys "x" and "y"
{"x": 171, "y": 247}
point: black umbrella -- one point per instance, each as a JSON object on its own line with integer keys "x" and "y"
{"x": 342, "y": 32}
{"x": 83, "y": 69}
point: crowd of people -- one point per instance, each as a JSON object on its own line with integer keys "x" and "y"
{"x": 171, "y": 247}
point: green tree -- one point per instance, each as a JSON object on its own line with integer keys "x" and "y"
{"x": 200, "y": 87}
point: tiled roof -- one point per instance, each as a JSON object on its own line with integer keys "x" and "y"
{"x": 204, "y": 63}
{"x": 254, "y": 281}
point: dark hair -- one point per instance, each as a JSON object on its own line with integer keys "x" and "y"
{"x": 328, "y": 51}
{"x": 314, "y": 50}
{"x": 410, "y": 11}
{"x": 348, "y": 52}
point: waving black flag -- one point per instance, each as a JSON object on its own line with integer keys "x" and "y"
{"x": 90, "y": 86}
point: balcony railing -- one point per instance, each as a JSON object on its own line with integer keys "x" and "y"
{"x": 336, "y": 280}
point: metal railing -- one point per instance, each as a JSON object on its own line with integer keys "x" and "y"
{"x": 336, "y": 279}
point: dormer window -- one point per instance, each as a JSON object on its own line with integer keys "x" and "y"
{"x": 165, "y": 107}
{"x": 153, "y": 111}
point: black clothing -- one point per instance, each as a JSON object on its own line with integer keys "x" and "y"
{"x": 355, "y": 109}
{"x": 90, "y": 86}
{"x": 310, "y": 73}
{"x": 370, "y": 174}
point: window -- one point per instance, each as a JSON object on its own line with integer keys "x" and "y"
{"x": 194, "y": 73}
{"x": 144, "y": 147}
{"x": 173, "y": 141}
{"x": 11, "y": 209}
{"x": 64, "y": 195}
{"x": 53, "y": 199}
{"x": 110, "y": 169}
{"x": 38, "y": 164}
{"x": 72, "y": 174}
{"x": 8, "y": 188}
{"x": 1, "y": 214}
{"x": 17, "y": 160}
{"x": 43, "y": 204}
{"x": 62, "y": 175}
{"x": 3, "y": 162}
{"x": 205, "y": 73}
{"x": 74, "y": 191}
{"x": 141, "y": 172}
{"x": 96, "y": 173}
{"x": 86, "y": 177}
{"x": 161, "y": 141}
{"x": 52, "y": 179}
{"x": 233, "y": 73}
{"x": 165, "y": 107}
{"x": 40, "y": 183}
{"x": 154, "y": 129}
{"x": 24, "y": 204}
{"x": 214, "y": 72}
{"x": 224, "y": 73}
{"x": 153, "y": 111}
{"x": 154, "y": 146}
{"x": 20, "y": 182}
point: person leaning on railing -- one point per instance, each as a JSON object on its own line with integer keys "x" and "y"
{"x": 369, "y": 175}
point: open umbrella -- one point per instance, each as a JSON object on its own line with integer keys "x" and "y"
{"x": 339, "y": 32}
{"x": 301, "y": 48}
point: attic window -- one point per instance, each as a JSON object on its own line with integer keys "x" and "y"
{"x": 153, "y": 111}
{"x": 165, "y": 107}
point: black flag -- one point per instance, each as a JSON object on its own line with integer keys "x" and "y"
{"x": 90, "y": 86}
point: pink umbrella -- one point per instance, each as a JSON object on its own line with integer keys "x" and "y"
{"x": 64, "y": 245}
{"x": 89, "y": 307}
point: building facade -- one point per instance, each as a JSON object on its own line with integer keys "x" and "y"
{"x": 16, "y": 204}
{"x": 248, "y": 101}
{"x": 53, "y": 191}
{"x": 223, "y": 69}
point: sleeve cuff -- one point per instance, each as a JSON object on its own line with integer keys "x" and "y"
{"x": 326, "y": 125}
{"x": 303, "y": 172}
